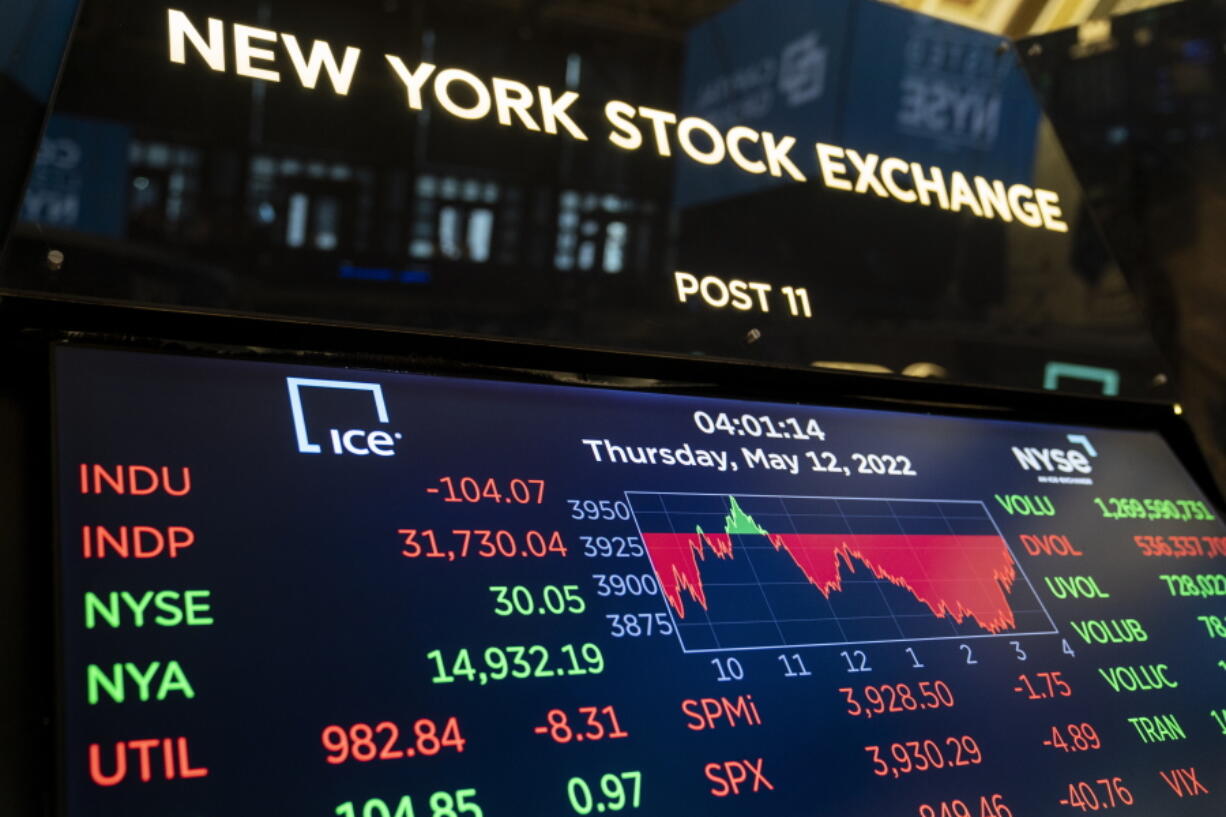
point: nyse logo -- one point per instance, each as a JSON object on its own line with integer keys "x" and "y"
{"x": 358, "y": 441}
{"x": 1064, "y": 460}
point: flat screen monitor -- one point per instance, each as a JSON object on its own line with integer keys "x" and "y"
{"x": 295, "y": 589}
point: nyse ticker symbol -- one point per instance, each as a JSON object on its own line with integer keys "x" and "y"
{"x": 358, "y": 441}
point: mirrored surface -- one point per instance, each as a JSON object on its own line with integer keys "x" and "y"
{"x": 837, "y": 183}
{"x": 1138, "y": 102}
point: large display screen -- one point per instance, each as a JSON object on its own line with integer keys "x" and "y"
{"x": 301, "y": 590}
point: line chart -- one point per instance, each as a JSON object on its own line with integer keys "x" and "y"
{"x": 751, "y": 571}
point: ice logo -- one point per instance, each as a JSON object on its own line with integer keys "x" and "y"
{"x": 802, "y": 70}
{"x": 358, "y": 441}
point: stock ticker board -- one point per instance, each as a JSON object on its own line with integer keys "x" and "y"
{"x": 313, "y": 591}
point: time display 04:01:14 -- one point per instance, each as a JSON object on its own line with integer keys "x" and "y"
{"x": 759, "y": 425}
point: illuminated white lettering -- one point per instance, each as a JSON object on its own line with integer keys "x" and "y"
{"x": 737, "y": 135}
{"x": 1050, "y": 210}
{"x": 414, "y": 81}
{"x": 660, "y": 120}
{"x": 687, "y": 285}
{"x": 983, "y": 197}
{"x": 213, "y": 50}
{"x": 925, "y": 186}
{"x": 891, "y": 166}
{"x": 936, "y": 108}
{"x": 993, "y": 198}
{"x": 685, "y": 130}
{"x": 245, "y": 53}
{"x": 718, "y": 293}
{"x": 627, "y": 136}
{"x": 513, "y": 97}
{"x": 553, "y": 112}
{"x": 321, "y": 57}
{"x": 777, "y": 158}
{"x": 710, "y": 282}
{"x": 762, "y": 290}
{"x": 833, "y": 170}
{"x": 962, "y": 195}
{"x": 1024, "y": 209}
{"x": 740, "y": 295}
{"x": 865, "y": 168}
{"x": 442, "y": 92}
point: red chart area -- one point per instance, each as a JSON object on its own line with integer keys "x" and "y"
{"x": 734, "y": 565}
{"x": 933, "y": 567}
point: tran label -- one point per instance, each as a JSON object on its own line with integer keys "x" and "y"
{"x": 358, "y": 441}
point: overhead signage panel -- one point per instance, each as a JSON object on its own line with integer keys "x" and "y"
{"x": 724, "y": 190}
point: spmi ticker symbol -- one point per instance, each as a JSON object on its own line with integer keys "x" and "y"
{"x": 344, "y": 441}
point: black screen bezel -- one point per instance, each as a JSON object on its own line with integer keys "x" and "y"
{"x": 31, "y": 331}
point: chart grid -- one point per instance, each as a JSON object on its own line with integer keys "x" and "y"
{"x": 740, "y": 591}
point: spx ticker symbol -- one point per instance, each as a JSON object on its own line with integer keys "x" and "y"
{"x": 358, "y": 441}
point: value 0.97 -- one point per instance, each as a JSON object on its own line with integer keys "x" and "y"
{"x": 499, "y": 663}
{"x": 614, "y": 792}
{"x": 486, "y": 544}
